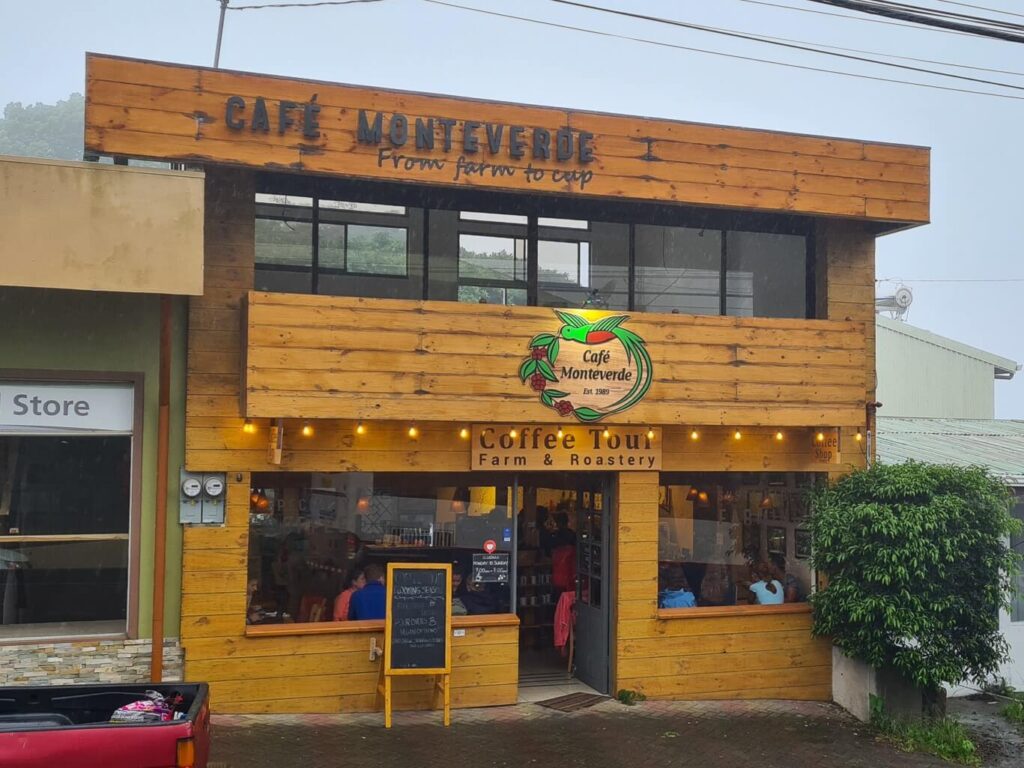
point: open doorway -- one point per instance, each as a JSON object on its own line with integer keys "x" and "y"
{"x": 563, "y": 584}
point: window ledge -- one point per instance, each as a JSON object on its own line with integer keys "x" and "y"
{"x": 350, "y": 627}
{"x": 70, "y": 637}
{"x": 733, "y": 610}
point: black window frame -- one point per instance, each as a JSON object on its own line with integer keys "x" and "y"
{"x": 337, "y": 217}
{"x": 550, "y": 206}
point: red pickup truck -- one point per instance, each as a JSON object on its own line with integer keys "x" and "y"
{"x": 69, "y": 725}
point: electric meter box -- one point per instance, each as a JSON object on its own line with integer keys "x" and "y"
{"x": 201, "y": 498}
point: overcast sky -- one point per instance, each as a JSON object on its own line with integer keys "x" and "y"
{"x": 977, "y": 154}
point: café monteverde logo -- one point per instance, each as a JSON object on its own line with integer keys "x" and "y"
{"x": 588, "y": 369}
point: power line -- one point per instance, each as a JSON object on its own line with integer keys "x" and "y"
{"x": 298, "y": 5}
{"x": 922, "y": 16}
{"x": 982, "y": 8}
{"x": 856, "y": 18}
{"x": 739, "y": 57}
{"x": 902, "y": 58}
{"x": 770, "y": 41}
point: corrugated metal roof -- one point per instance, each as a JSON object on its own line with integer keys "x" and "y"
{"x": 993, "y": 443}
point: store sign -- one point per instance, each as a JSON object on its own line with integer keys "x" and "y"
{"x": 577, "y": 447}
{"x": 466, "y": 149}
{"x": 57, "y": 407}
{"x": 588, "y": 369}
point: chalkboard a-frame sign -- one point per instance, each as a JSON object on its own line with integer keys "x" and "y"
{"x": 418, "y": 624}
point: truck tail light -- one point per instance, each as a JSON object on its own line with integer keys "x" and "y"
{"x": 186, "y": 753}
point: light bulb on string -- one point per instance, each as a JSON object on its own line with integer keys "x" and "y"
{"x": 694, "y": 435}
{"x": 413, "y": 432}
{"x": 307, "y": 429}
{"x": 360, "y": 428}
{"x": 737, "y": 435}
{"x": 248, "y": 427}
{"x": 464, "y": 433}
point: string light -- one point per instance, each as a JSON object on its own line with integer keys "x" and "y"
{"x": 694, "y": 435}
{"x": 560, "y": 433}
{"x": 737, "y": 435}
{"x": 248, "y": 427}
{"x": 779, "y": 436}
{"x": 307, "y": 429}
{"x": 858, "y": 437}
{"x": 650, "y": 433}
{"x": 464, "y": 433}
{"x": 606, "y": 434}
{"x": 413, "y": 432}
{"x": 820, "y": 437}
{"x": 360, "y": 429}
{"x": 513, "y": 433}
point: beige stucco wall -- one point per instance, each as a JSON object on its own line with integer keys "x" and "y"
{"x": 86, "y": 226}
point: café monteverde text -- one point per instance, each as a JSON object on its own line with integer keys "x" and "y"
{"x": 467, "y": 136}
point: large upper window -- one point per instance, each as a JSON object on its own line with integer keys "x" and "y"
{"x": 733, "y": 539}
{"x": 316, "y": 245}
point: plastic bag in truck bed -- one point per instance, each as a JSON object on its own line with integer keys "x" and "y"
{"x": 153, "y": 709}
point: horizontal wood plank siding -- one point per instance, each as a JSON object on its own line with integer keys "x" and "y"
{"x": 351, "y": 358}
{"x": 769, "y": 656}
{"x": 308, "y": 673}
{"x": 168, "y": 111}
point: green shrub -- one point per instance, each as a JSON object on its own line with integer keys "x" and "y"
{"x": 942, "y": 737}
{"x": 918, "y": 566}
{"x": 629, "y": 698}
{"x": 1014, "y": 711}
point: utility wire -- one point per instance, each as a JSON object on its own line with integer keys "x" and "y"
{"x": 938, "y": 13}
{"x": 769, "y": 41}
{"x": 920, "y": 16}
{"x": 982, "y": 8}
{"x": 901, "y": 58}
{"x": 298, "y": 5}
{"x": 662, "y": 44}
{"x": 856, "y": 18}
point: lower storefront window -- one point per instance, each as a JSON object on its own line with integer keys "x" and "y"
{"x": 320, "y": 543}
{"x": 64, "y": 534}
{"x": 733, "y": 539}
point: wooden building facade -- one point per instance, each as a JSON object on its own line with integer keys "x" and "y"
{"x": 406, "y": 300}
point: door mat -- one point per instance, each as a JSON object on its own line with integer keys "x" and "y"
{"x": 573, "y": 701}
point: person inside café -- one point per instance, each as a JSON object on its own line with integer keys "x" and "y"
{"x": 458, "y": 607}
{"x": 370, "y": 601}
{"x": 677, "y": 593}
{"x": 790, "y": 583}
{"x": 356, "y": 580}
{"x": 767, "y": 590}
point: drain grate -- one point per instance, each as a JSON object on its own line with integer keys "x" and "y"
{"x": 573, "y": 701}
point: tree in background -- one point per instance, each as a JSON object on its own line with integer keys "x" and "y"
{"x": 44, "y": 130}
{"x": 918, "y": 566}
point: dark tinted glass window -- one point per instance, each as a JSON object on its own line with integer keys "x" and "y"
{"x": 767, "y": 275}
{"x": 64, "y": 520}
{"x": 678, "y": 270}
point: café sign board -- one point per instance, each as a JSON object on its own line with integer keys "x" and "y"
{"x": 588, "y": 368}
{"x": 575, "y": 447}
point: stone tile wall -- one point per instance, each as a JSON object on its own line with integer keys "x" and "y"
{"x": 95, "y": 661}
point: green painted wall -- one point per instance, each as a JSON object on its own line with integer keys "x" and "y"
{"x": 85, "y": 331}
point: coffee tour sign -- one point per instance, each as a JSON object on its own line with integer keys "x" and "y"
{"x": 588, "y": 369}
{"x": 575, "y": 447}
